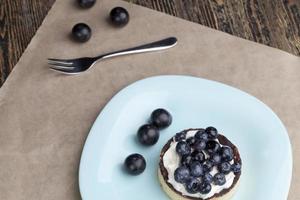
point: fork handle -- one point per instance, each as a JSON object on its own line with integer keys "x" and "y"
{"x": 154, "y": 46}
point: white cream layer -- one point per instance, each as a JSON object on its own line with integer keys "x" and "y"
{"x": 171, "y": 161}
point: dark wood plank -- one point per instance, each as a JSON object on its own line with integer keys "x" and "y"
{"x": 19, "y": 21}
{"x": 274, "y": 23}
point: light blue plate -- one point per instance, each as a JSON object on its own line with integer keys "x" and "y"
{"x": 257, "y": 132}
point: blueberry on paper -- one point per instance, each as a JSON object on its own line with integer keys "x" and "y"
{"x": 119, "y": 16}
{"x": 81, "y": 32}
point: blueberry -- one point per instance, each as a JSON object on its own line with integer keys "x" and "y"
{"x": 119, "y": 16}
{"x": 199, "y": 145}
{"x": 226, "y": 153}
{"x": 135, "y": 164}
{"x": 81, "y": 32}
{"x": 196, "y": 169}
{"x": 191, "y": 141}
{"x": 86, "y": 3}
{"x": 182, "y": 148}
{"x": 219, "y": 179}
{"x": 180, "y": 136}
{"x": 236, "y": 168}
{"x": 207, "y": 178}
{"x": 148, "y": 134}
{"x": 161, "y": 118}
{"x": 182, "y": 174}
{"x": 186, "y": 160}
{"x": 224, "y": 168}
{"x": 216, "y": 159}
{"x": 204, "y": 188}
{"x": 192, "y": 185}
{"x": 212, "y": 132}
{"x": 198, "y": 156}
{"x": 201, "y": 135}
{"x": 212, "y": 146}
{"x": 207, "y": 166}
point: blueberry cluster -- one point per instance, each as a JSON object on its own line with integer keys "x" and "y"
{"x": 199, "y": 155}
{"x": 81, "y": 32}
{"x": 148, "y": 134}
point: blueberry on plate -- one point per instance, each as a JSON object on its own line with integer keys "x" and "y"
{"x": 183, "y": 149}
{"x": 207, "y": 178}
{"x": 81, "y": 32}
{"x": 148, "y": 134}
{"x": 199, "y": 145}
{"x": 191, "y": 141}
{"x": 204, "y": 188}
{"x": 135, "y": 164}
{"x": 212, "y": 132}
{"x": 180, "y": 136}
{"x": 226, "y": 153}
{"x": 219, "y": 179}
{"x": 216, "y": 159}
{"x": 212, "y": 146}
{"x": 198, "y": 156}
{"x": 207, "y": 166}
{"x": 182, "y": 174}
{"x": 196, "y": 169}
{"x": 161, "y": 118}
{"x": 201, "y": 135}
{"x": 119, "y": 16}
{"x": 225, "y": 168}
{"x": 192, "y": 185}
{"x": 236, "y": 168}
{"x": 186, "y": 160}
{"x": 86, "y": 3}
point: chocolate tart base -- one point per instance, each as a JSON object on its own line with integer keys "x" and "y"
{"x": 225, "y": 194}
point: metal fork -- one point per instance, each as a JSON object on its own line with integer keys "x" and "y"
{"x": 78, "y": 65}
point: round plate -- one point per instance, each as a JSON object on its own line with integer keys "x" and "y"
{"x": 194, "y": 103}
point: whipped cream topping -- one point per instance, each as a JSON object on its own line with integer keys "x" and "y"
{"x": 171, "y": 162}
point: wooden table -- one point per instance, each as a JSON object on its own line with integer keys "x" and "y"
{"x": 273, "y": 23}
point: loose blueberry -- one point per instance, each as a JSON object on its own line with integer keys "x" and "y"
{"x": 81, "y": 32}
{"x": 212, "y": 132}
{"x": 135, "y": 164}
{"x": 198, "y": 156}
{"x": 226, "y": 153}
{"x": 196, "y": 169}
{"x": 207, "y": 178}
{"x": 180, "y": 136}
{"x": 236, "y": 168}
{"x": 219, "y": 179}
{"x": 199, "y": 145}
{"x": 183, "y": 149}
{"x": 161, "y": 118}
{"x": 204, "y": 188}
{"x": 212, "y": 146}
{"x": 216, "y": 159}
{"x": 191, "y": 141}
{"x": 207, "y": 166}
{"x": 186, "y": 160}
{"x": 224, "y": 168}
{"x": 182, "y": 174}
{"x": 119, "y": 16}
{"x": 201, "y": 135}
{"x": 192, "y": 185}
{"x": 148, "y": 134}
{"x": 86, "y": 3}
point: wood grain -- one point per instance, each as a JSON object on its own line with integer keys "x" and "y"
{"x": 273, "y": 23}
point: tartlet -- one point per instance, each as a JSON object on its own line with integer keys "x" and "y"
{"x": 190, "y": 187}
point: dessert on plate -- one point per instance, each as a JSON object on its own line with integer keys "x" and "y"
{"x": 199, "y": 164}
